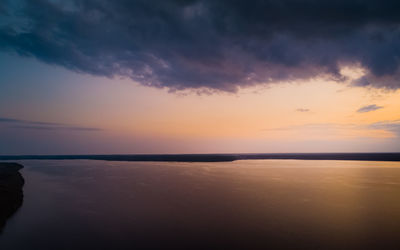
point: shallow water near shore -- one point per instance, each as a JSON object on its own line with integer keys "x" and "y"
{"x": 84, "y": 204}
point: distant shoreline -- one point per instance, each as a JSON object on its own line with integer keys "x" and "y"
{"x": 214, "y": 157}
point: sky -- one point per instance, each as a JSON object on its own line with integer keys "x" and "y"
{"x": 199, "y": 76}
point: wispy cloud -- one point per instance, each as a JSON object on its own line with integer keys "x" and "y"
{"x": 369, "y": 108}
{"x": 392, "y": 126}
{"x": 11, "y": 120}
{"x": 302, "y": 110}
{"x": 41, "y": 125}
{"x": 382, "y": 129}
{"x": 313, "y": 126}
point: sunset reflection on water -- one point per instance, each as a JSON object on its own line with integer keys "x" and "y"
{"x": 242, "y": 204}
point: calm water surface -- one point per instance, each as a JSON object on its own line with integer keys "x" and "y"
{"x": 276, "y": 204}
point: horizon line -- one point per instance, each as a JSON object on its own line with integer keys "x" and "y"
{"x": 217, "y": 157}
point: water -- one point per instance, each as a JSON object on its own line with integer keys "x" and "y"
{"x": 83, "y": 204}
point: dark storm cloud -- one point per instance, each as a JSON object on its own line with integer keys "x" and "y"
{"x": 369, "y": 108}
{"x": 24, "y": 124}
{"x": 215, "y": 44}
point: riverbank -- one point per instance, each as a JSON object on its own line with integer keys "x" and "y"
{"x": 11, "y": 193}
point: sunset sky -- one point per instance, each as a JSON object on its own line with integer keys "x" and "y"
{"x": 199, "y": 76}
